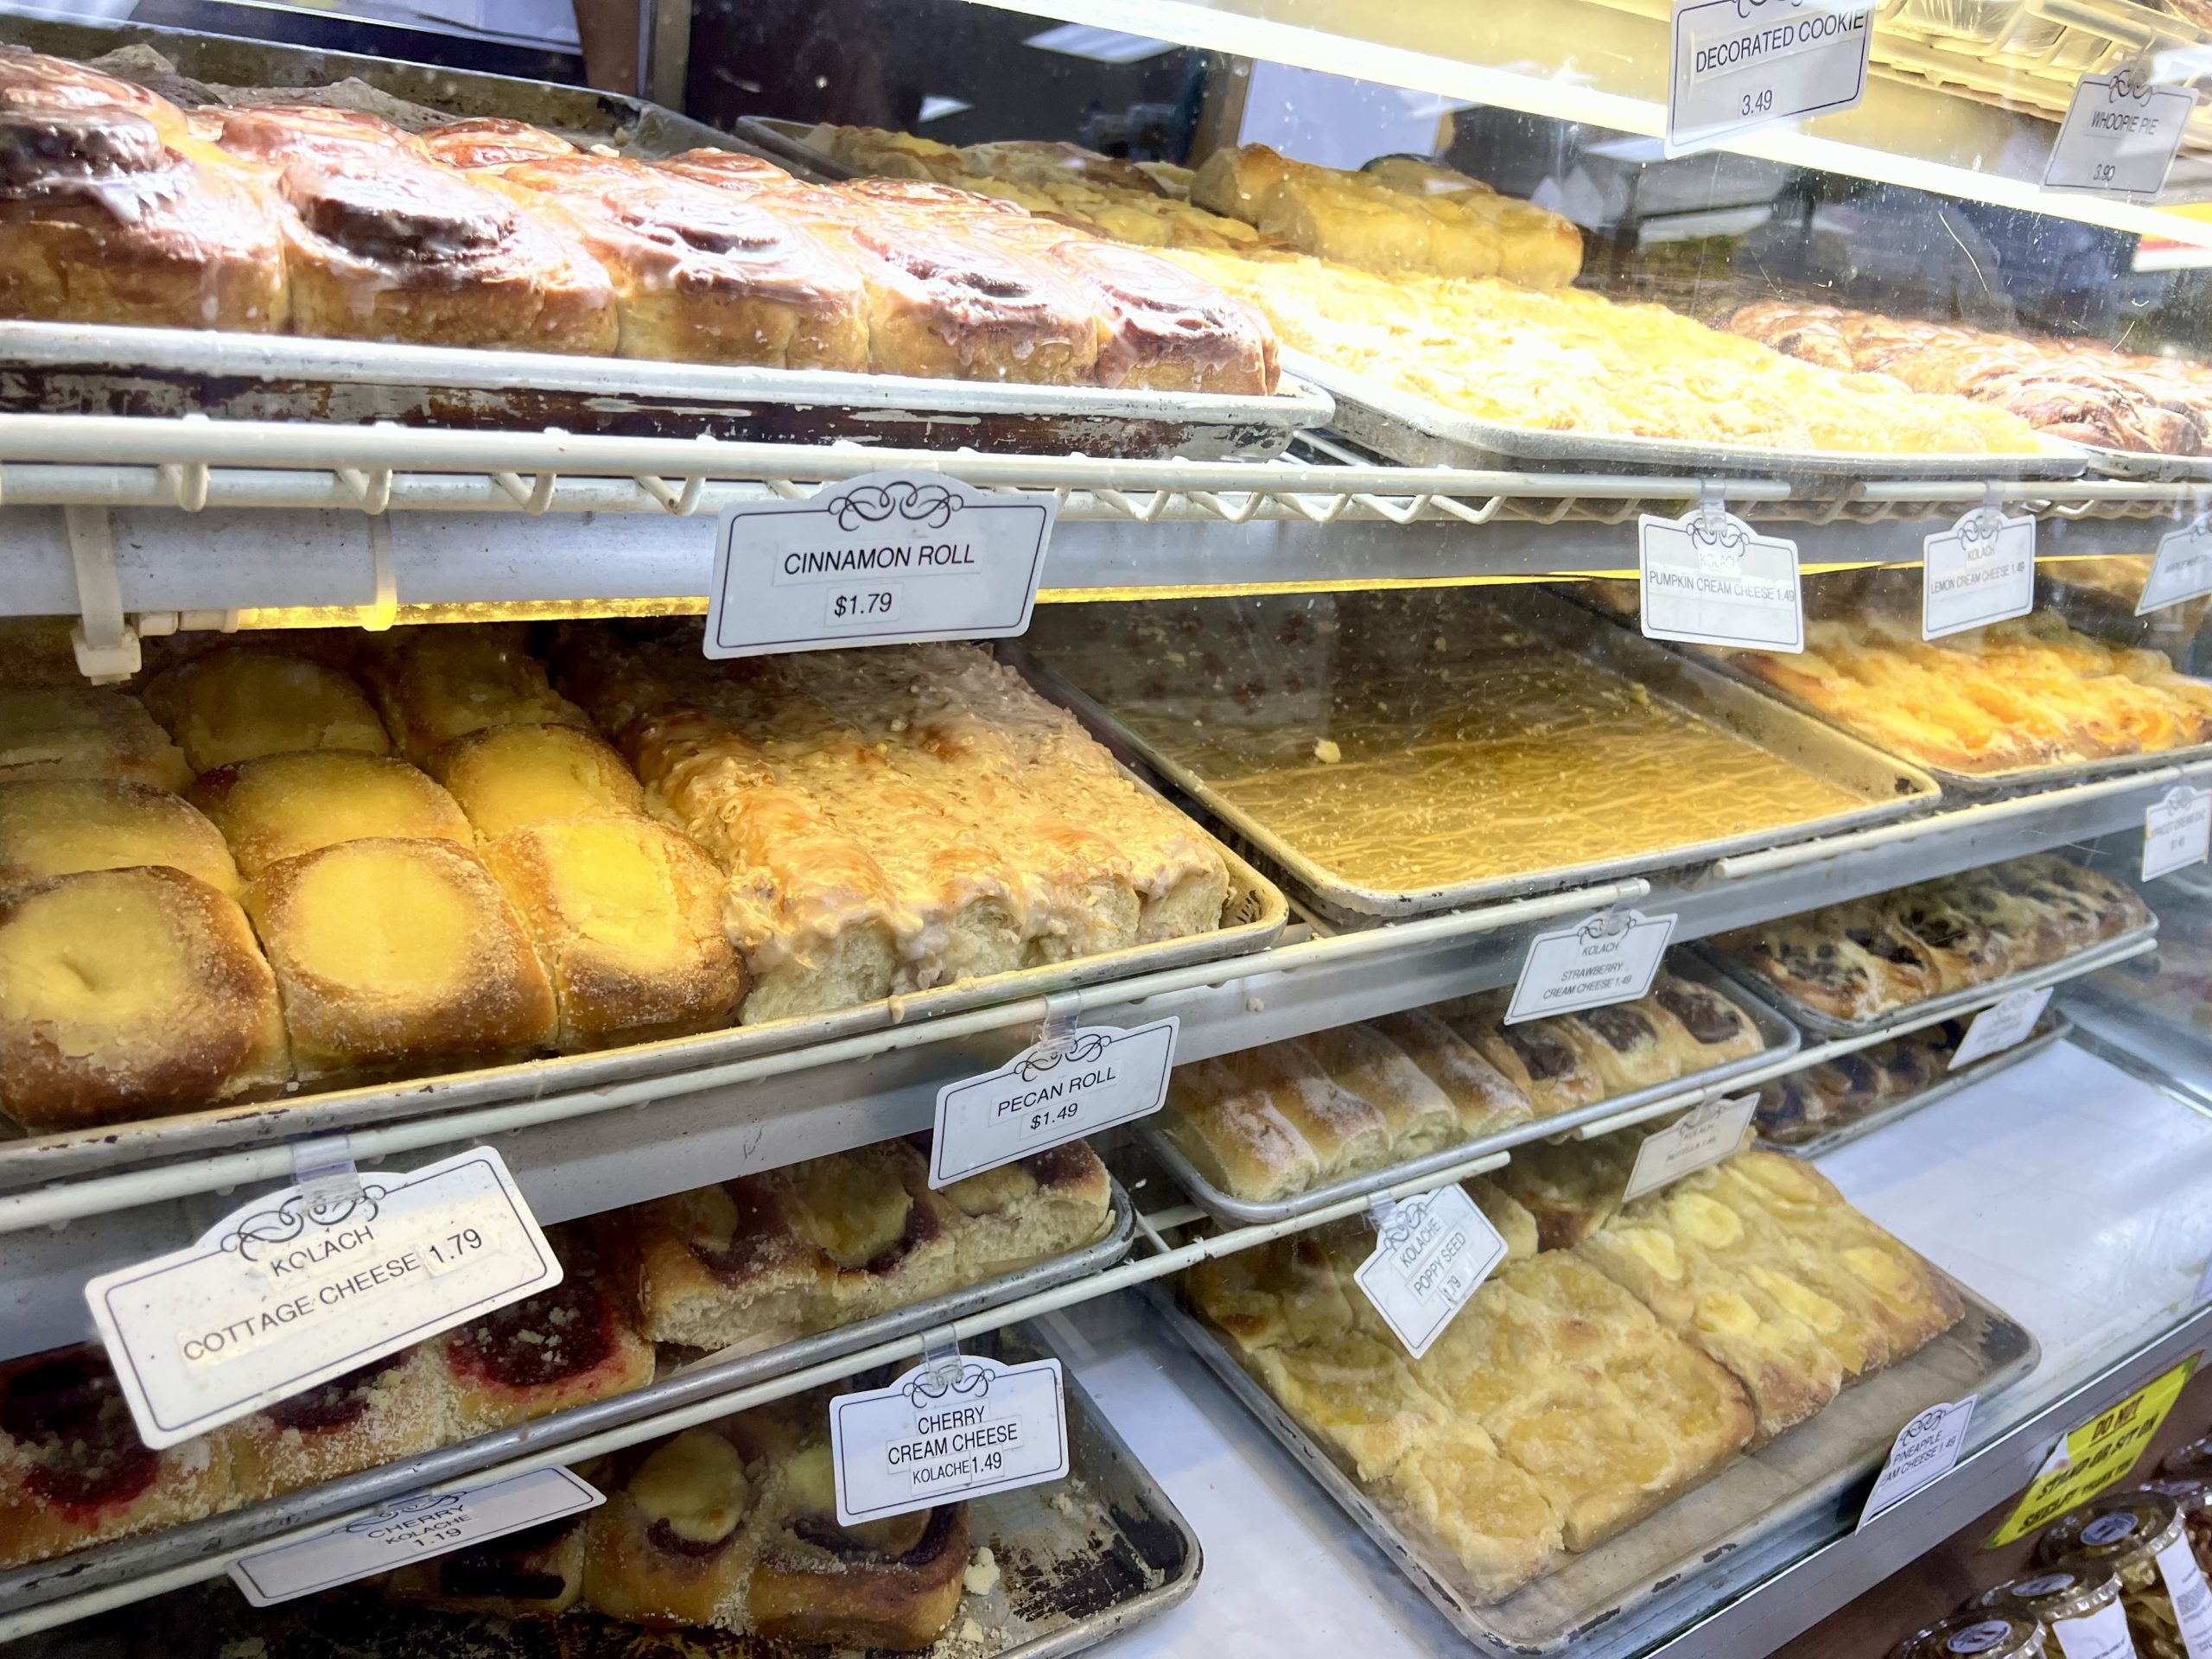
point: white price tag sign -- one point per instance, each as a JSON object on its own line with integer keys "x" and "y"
{"x": 1707, "y": 579}
{"x": 2102, "y": 1634}
{"x": 1740, "y": 64}
{"x": 283, "y": 1293}
{"x": 2183, "y": 569}
{"x": 2120, "y": 136}
{"x": 2177, "y": 831}
{"x": 1925, "y": 1450}
{"x": 1981, "y": 570}
{"x": 1059, "y": 1090}
{"x": 2192, "y": 1601}
{"x": 1999, "y": 1026}
{"x": 963, "y": 1428}
{"x": 407, "y": 1529}
{"x": 1705, "y": 1134}
{"x": 1609, "y": 957}
{"x": 886, "y": 557}
{"x": 1432, "y": 1254}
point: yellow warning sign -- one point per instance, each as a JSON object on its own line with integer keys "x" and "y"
{"x": 2095, "y": 1455}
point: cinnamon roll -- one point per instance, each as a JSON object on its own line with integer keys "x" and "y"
{"x": 701, "y": 275}
{"x": 493, "y": 140}
{"x": 382, "y": 242}
{"x": 1158, "y": 325}
{"x": 111, "y": 211}
{"x": 944, "y": 302}
{"x": 728, "y": 168}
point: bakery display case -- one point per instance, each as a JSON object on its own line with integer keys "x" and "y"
{"x": 1568, "y": 921}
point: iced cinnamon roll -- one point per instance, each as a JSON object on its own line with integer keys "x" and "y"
{"x": 384, "y": 242}
{"x": 945, "y": 303}
{"x": 111, "y": 211}
{"x": 1158, "y": 325}
{"x": 493, "y": 140}
{"x": 701, "y": 275}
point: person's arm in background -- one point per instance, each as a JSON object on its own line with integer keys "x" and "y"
{"x": 609, "y": 31}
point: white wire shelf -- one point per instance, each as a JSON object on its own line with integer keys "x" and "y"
{"x": 194, "y": 465}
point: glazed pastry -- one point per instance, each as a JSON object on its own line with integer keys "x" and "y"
{"x": 492, "y": 141}
{"x": 1570, "y": 359}
{"x": 2012, "y": 695}
{"x": 701, "y": 275}
{"x": 1855, "y": 961}
{"x": 113, "y": 212}
{"x": 1965, "y": 952}
{"x": 2079, "y": 389}
{"x": 1390, "y": 218}
{"x": 947, "y": 301}
{"x": 1158, "y": 325}
{"x": 893, "y": 819}
{"x": 382, "y": 242}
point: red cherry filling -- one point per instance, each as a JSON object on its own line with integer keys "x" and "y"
{"x": 71, "y": 1412}
{"x": 545, "y": 1338}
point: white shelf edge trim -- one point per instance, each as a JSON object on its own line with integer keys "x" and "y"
{"x": 194, "y": 465}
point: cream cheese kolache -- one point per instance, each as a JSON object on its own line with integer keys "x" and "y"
{"x": 412, "y": 854}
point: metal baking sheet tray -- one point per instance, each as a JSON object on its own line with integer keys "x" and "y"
{"x": 2145, "y": 1038}
{"x": 1890, "y": 787}
{"x": 1078, "y": 1559}
{"x": 2146, "y": 466}
{"x": 1976, "y": 786}
{"x": 1825, "y": 1025}
{"x": 1781, "y": 1040}
{"x": 678, "y": 1384}
{"x": 785, "y": 143}
{"x": 2052, "y": 1029}
{"x": 1251, "y": 920}
{"x": 1416, "y": 432}
{"x": 104, "y": 369}
{"x": 1807, "y": 1471}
